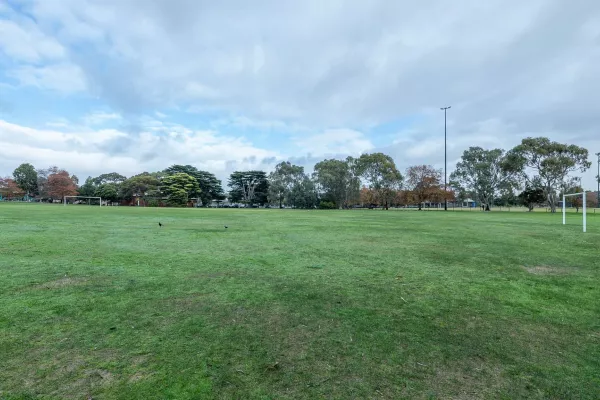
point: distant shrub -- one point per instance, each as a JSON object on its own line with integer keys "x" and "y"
{"x": 327, "y": 205}
{"x": 153, "y": 203}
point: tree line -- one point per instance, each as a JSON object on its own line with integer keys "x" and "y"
{"x": 533, "y": 173}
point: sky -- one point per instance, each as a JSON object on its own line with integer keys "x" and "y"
{"x": 95, "y": 86}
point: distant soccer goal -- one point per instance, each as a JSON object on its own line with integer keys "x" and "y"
{"x": 564, "y": 208}
{"x": 88, "y": 198}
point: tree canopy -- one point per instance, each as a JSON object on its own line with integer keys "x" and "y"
{"x": 532, "y": 196}
{"x": 210, "y": 187}
{"x": 179, "y": 187}
{"x": 490, "y": 176}
{"x": 338, "y": 180}
{"x": 480, "y": 172}
{"x": 60, "y": 185}
{"x": 9, "y": 188}
{"x": 112, "y": 177}
{"x": 88, "y": 188}
{"x": 108, "y": 191}
{"x": 285, "y": 179}
{"x": 42, "y": 181}
{"x": 249, "y": 187}
{"x": 424, "y": 183}
{"x": 143, "y": 185}
{"x": 380, "y": 172}
{"x": 550, "y": 162}
{"x": 26, "y": 178}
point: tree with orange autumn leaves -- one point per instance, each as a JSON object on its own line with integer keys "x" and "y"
{"x": 424, "y": 185}
{"x": 60, "y": 184}
{"x": 9, "y": 188}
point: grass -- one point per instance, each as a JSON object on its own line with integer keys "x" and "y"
{"x": 101, "y": 302}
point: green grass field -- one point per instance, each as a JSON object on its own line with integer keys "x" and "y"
{"x": 101, "y": 303}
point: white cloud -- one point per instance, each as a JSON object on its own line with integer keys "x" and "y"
{"x": 100, "y": 117}
{"x": 92, "y": 152}
{"x": 59, "y": 123}
{"x": 24, "y": 42}
{"x": 324, "y": 65}
{"x": 63, "y": 77}
{"x": 334, "y": 142}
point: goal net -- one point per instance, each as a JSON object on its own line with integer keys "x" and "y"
{"x": 564, "y": 208}
{"x": 91, "y": 201}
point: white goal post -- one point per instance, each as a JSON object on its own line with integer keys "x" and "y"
{"x": 81, "y": 197}
{"x": 564, "y": 208}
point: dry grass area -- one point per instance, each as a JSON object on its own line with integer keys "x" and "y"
{"x": 548, "y": 270}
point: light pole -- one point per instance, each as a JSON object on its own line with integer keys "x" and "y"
{"x": 445, "y": 161}
{"x": 598, "y": 180}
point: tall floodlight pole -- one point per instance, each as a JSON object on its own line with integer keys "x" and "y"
{"x": 598, "y": 180}
{"x": 445, "y": 160}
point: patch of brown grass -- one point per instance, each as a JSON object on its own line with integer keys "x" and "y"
{"x": 546, "y": 270}
{"x": 62, "y": 282}
{"x": 470, "y": 380}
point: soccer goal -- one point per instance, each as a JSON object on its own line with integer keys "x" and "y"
{"x": 88, "y": 198}
{"x": 564, "y": 208}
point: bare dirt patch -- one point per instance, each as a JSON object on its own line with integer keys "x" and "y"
{"x": 546, "y": 270}
{"x": 62, "y": 282}
{"x": 100, "y": 376}
{"x": 472, "y": 380}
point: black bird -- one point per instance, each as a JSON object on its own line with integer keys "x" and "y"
{"x": 226, "y": 227}
{"x": 159, "y": 224}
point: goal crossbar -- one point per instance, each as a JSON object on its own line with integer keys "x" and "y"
{"x": 564, "y": 208}
{"x": 81, "y": 197}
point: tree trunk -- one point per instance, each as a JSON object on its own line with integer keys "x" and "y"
{"x": 551, "y": 200}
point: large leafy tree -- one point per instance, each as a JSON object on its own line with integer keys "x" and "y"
{"x": 532, "y": 196}
{"x": 283, "y": 180}
{"x": 210, "y": 186}
{"x": 107, "y": 186}
{"x": 480, "y": 172}
{"x": 249, "y": 187}
{"x": 304, "y": 194}
{"x": 108, "y": 191}
{"x": 143, "y": 185}
{"x": 26, "y": 178}
{"x": 179, "y": 187}
{"x": 111, "y": 177}
{"x": 10, "y": 189}
{"x": 60, "y": 184}
{"x": 380, "y": 172}
{"x": 42, "y": 181}
{"x": 368, "y": 197}
{"x": 550, "y": 162}
{"x": 88, "y": 188}
{"x": 424, "y": 183}
{"x": 338, "y": 180}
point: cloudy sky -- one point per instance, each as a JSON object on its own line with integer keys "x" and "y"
{"x": 97, "y": 86}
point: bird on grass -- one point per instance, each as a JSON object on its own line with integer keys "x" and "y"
{"x": 160, "y": 225}
{"x": 226, "y": 227}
